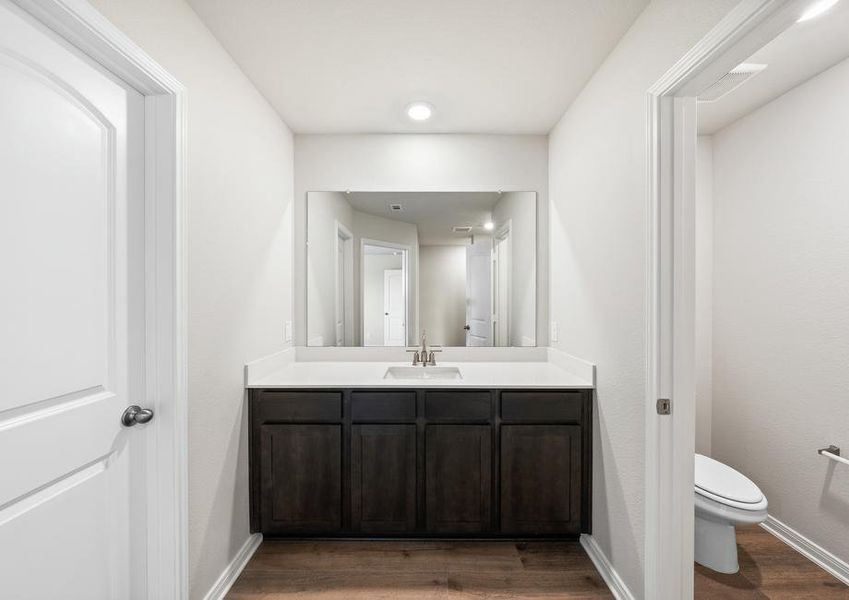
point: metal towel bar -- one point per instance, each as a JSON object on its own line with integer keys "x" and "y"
{"x": 833, "y": 452}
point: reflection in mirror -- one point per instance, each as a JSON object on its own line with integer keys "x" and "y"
{"x": 384, "y": 266}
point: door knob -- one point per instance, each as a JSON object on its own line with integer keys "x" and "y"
{"x": 136, "y": 414}
{"x": 467, "y": 328}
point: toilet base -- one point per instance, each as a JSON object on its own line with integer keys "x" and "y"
{"x": 716, "y": 545}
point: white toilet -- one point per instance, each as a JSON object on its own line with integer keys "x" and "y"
{"x": 724, "y": 498}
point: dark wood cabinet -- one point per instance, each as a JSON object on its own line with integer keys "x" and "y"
{"x": 421, "y": 462}
{"x": 459, "y": 478}
{"x": 301, "y": 483}
{"x": 383, "y": 478}
{"x": 541, "y": 479}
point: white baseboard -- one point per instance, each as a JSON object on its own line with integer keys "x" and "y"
{"x": 807, "y": 548}
{"x": 617, "y": 587}
{"x": 233, "y": 570}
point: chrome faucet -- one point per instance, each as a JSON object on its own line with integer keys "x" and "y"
{"x": 422, "y": 355}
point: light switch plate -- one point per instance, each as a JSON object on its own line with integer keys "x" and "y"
{"x": 553, "y": 335}
{"x": 287, "y": 331}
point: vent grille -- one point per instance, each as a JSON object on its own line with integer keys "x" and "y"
{"x": 462, "y": 229}
{"x": 730, "y": 81}
{"x": 395, "y": 207}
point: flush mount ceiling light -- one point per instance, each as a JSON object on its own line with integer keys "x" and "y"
{"x": 816, "y": 9}
{"x": 489, "y": 225}
{"x": 420, "y": 111}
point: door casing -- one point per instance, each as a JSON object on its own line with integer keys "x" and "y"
{"x": 165, "y": 276}
{"x": 670, "y": 285}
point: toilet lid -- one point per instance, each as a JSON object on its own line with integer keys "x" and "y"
{"x": 721, "y": 480}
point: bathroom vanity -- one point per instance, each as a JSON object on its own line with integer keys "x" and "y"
{"x": 505, "y": 450}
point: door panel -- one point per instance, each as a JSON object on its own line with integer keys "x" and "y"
{"x": 479, "y": 293}
{"x": 459, "y": 479}
{"x": 540, "y": 479}
{"x": 71, "y": 204}
{"x": 394, "y": 307}
{"x": 383, "y": 478}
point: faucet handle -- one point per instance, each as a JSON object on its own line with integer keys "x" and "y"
{"x": 416, "y": 357}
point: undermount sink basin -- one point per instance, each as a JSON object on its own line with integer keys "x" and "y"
{"x": 422, "y": 373}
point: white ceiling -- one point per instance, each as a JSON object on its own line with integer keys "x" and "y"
{"x": 799, "y": 53}
{"x": 435, "y": 213}
{"x": 487, "y": 66}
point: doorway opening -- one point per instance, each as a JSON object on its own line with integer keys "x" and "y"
{"x": 384, "y": 275}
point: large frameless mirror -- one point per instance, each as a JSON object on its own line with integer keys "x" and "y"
{"x": 382, "y": 267}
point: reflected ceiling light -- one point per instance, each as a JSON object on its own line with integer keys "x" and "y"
{"x": 816, "y": 9}
{"x": 489, "y": 225}
{"x": 420, "y": 111}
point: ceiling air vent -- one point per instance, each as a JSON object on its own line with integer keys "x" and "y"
{"x": 395, "y": 207}
{"x": 730, "y": 81}
{"x": 462, "y": 229}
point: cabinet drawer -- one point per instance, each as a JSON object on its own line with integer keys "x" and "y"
{"x": 458, "y": 406}
{"x": 542, "y": 407}
{"x": 380, "y": 407}
{"x": 299, "y": 406}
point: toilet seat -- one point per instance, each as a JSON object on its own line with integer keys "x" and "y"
{"x": 722, "y": 484}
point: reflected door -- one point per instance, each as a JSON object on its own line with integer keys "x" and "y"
{"x": 479, "y": 293}
{"x": 394, "y": 304}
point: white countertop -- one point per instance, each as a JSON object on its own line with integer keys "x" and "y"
{"x": 370, "y": 374}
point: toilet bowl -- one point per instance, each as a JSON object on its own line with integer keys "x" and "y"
{"x": 723, "y": 499}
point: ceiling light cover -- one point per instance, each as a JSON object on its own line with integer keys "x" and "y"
{"x": 489, "y": 225}
{"x": 816, "y": 9}
{"x": 420, "y": 111}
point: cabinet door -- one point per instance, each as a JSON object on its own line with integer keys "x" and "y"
{"x": 301, "y": 488}
{"x": 383, "y": 478}
{"x": 459, "y": 478}
{"x": 540, "y": 479}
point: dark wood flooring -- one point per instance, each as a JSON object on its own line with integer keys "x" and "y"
{"x": 424, "y": 570}
{"x": 771, "y": 569}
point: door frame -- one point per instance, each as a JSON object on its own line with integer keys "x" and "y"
{"x": 670, "y": 287}
{"x": 504, "y": 233}
{"x": 165, "y": 277}
{"x": 405, "y": 266}
{"x": 343, "y": 233}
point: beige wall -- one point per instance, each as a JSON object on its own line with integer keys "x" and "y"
{"x": 781, "y": 314}
{"x": 442, "y": 279}
{"x": 597, "y": 173}
{"x": 239, "y": 236}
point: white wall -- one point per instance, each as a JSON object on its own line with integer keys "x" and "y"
{"x": 326, "y": 210}
{"x": 514, "y": 208}
{"x": 442, "y": 280}
{"x": 704, "y": 293}
{"x": 442, "y": 162}
{"x": 781, "y": 308}
{"x": 597, "y": 169}
{"x": 239, "y": 227}
{"x": 373, "y": 267}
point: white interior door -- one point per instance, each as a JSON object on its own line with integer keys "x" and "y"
{"x": 394, "y": 308}
{"x": 501, "y": 289}
{"x": 479, "y": 293}
{"x": 72, "y": 521}
{"x": 340, "y": 291}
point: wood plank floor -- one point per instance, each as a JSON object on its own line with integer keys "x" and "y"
{"x": 424, "y": 570}
{"x": 771, "y": 569}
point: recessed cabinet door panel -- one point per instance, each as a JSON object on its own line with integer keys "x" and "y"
{"x": 459, "y": 478}
{"x": 540, "y": 479}
{"x": 302, "y": 478}
{"x": 383, "y": 478}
